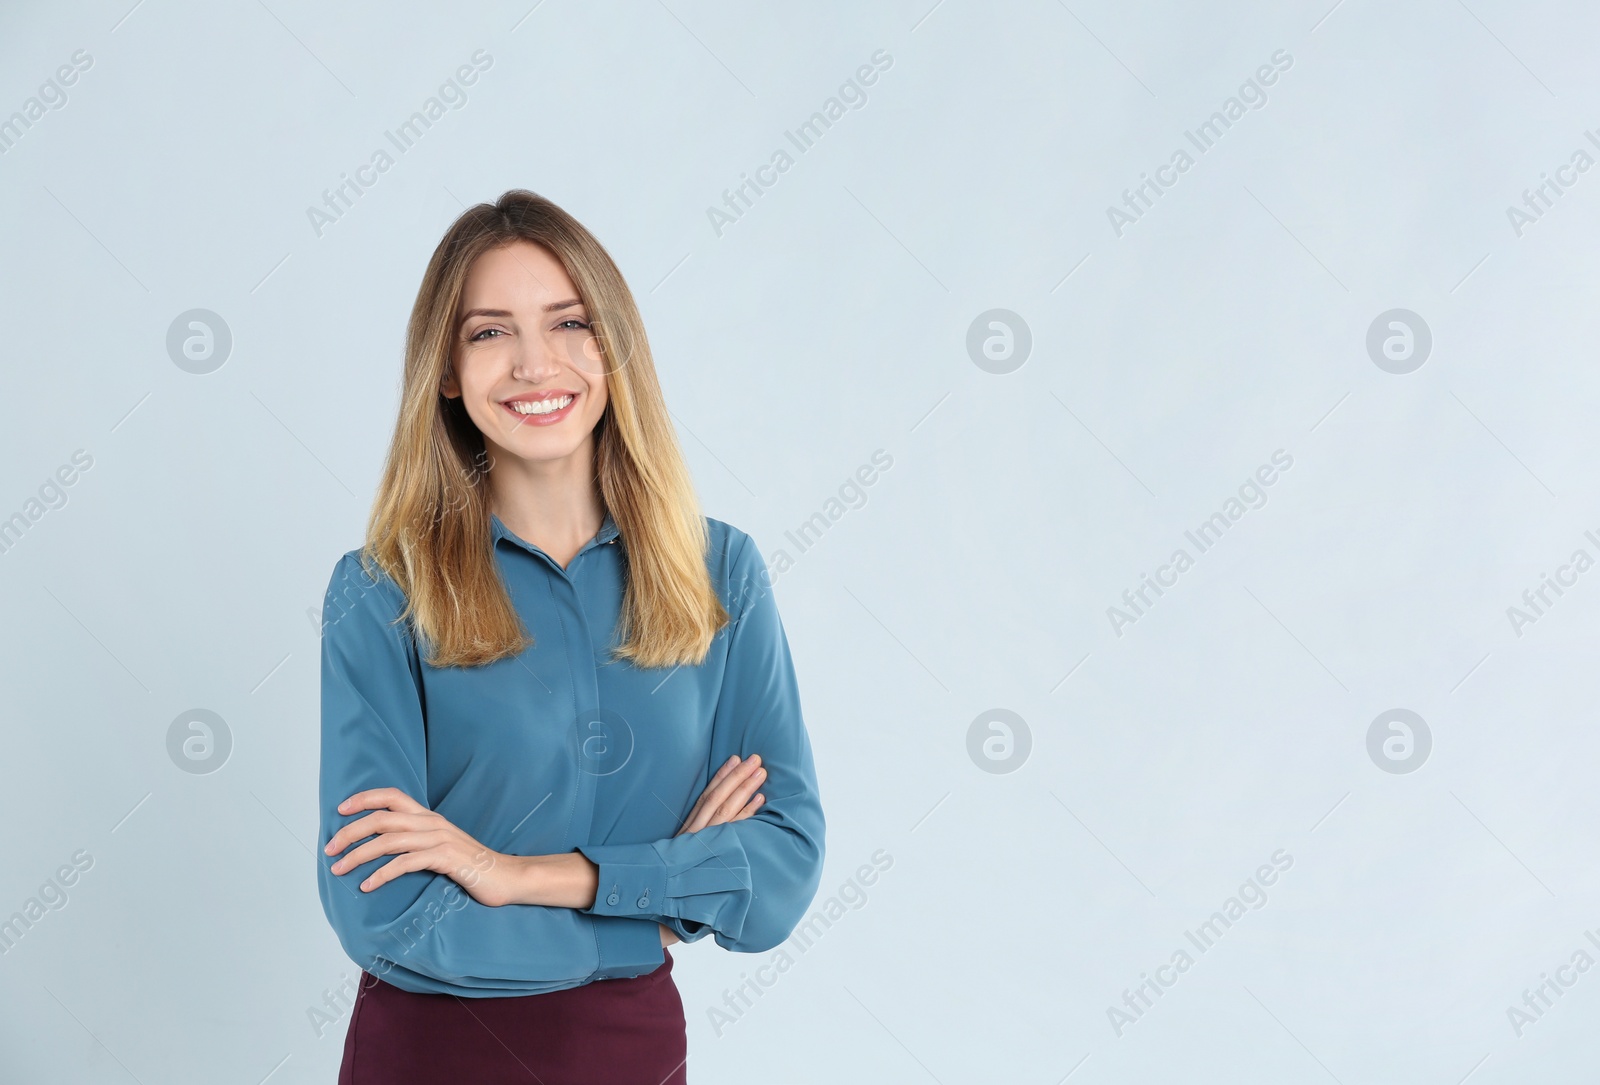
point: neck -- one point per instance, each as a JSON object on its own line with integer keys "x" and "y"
{"x": 553, "y": 504}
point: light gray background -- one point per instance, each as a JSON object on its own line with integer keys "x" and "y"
{"x": 831, "y": 321}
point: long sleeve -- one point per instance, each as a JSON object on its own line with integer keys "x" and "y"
{"x": 422, "y": 931}
{"x": 748, "y": 883}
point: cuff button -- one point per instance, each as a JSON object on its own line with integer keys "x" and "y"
{"x": 644, "y": 901}
{"x": 612, "y": 899}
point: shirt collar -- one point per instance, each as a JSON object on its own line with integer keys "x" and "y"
{"x": 608, "y": 532}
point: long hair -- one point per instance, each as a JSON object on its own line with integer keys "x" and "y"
{"x": 430, "y": 529}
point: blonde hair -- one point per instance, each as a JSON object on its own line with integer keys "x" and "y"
{"x": 430, "y": 529}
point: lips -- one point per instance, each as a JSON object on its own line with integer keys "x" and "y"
{"x": 541, "y": 408}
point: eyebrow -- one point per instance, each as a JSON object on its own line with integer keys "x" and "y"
{"x": 554, "y": 306}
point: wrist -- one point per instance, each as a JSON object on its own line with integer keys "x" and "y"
{"x": 520, "y": 882}
{"x": 556, "y": 881}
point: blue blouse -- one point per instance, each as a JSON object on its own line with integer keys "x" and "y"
{"x": 560, "y": 749}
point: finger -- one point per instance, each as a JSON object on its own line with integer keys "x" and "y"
{"x": 404, "y": 864}
{"x": 718, "y": 790}
{"x": 699, "y": 804}
{"x": 726, "y": 777}
{"x": 390, "y": 797}
{"x": 739, "y": 796}
{"x": 387, "y": 844}
{"x": 359, "y": 829}
{"x": 734, "y": 800}
{"x": 384, "y": 821}
{"x": 749, "y": 808}
{"x": 717, "y": 794}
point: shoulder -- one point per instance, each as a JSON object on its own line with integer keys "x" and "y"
{"x": 355, "y": 567}
{"x": 737, "y": 568}
{"x": 358, "y": 586}
{"x": 727, "y": 543}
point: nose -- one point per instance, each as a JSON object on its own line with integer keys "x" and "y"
{"x": 535, "y": 361}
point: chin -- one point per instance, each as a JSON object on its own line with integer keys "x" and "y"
{"x": 548, "y": 447}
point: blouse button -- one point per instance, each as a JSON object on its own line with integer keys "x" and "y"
{"x": 644, "y": 900}
{"x": 613, "y": 898}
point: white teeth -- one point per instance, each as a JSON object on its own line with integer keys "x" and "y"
{"x": 543, "y": 406}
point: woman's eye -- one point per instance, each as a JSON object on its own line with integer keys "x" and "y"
{"x": 484, "y": 333}
{"x": 574, "y": 321}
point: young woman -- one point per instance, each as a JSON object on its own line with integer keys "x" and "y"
{"x": 560, "y": 724}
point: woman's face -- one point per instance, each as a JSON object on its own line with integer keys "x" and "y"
{"x": 525, "y": 363}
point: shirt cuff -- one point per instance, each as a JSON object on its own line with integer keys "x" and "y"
{"x": 628, "y": 947}
{"x": 633, "y": 880}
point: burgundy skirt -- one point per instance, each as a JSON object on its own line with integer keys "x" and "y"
{"x": 607, "y": 1032}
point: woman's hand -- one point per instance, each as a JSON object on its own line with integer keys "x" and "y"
{"x": 421, "y": 840}
{"x": 728, "y": 796}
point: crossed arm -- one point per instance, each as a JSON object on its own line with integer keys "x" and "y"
{"x": 424, "y": 840}
{"x": 586, "y": 914}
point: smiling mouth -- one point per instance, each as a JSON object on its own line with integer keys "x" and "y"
{"x": 542, "y": 406}
{"x": 541, "y": 412}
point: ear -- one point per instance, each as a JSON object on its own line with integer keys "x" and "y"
{"x": 448, "y": 387}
